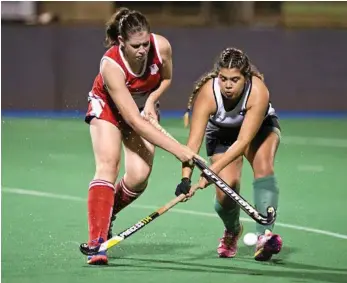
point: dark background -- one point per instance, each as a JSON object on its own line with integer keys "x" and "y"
{"x": 53, "y": 67}
{"x": 299, "y": 47}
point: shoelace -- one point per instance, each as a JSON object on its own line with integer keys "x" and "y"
{"x": 262, "y": 240}
{"x": 228, "y": 239}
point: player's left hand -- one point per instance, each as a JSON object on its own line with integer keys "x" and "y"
{"x": 192, "y": 191}
{"x": 203, "y": 183}
{"x": 150, "y": 110}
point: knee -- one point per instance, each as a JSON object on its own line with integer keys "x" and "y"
{"x": 263, "y": 170}
{"x": 107, "y": 169}
{"x": 137, "y": 177}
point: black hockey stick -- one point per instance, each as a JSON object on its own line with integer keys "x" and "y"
{"x": 245, "y": 206}
{"x": 213, "y": 177}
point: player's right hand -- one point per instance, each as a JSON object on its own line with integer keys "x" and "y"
{"x": 183, "y": 187}
{"x": 186, "y": 155}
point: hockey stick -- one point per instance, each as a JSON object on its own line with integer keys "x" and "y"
{"x": 212, "y": 177}
{"x": 115, "y": 240}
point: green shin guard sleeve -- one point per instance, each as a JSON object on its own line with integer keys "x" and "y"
{"x": 230, "y": 217}
{"x": 265, "y": 195}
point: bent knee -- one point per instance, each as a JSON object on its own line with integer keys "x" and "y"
{"x": 137, "y": 177}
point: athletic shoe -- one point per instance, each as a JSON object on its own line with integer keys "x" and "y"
{"x": 101, "y": 257}
{"x": 267, "y": 245}
{"x": 228, "y": 244}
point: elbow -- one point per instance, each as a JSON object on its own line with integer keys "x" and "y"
{"x": 169, "y": 81}
{"x": 166, "y": 82}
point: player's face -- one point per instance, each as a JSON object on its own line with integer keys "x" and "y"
{"x": 137, "y": 45}
{"x": 231, "y": 82}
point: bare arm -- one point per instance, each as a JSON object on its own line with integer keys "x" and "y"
{"x": 114, "y": 79}
{"x": 257, "y": 105}
{"x": 166, "y": 70}
{"x": 204, "y": 106}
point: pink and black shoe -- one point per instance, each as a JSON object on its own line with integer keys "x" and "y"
{"x": 228, "y": 244}
{"x": 268, "y": 244}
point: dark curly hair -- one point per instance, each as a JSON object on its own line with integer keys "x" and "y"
{"x": 229, "y": 58}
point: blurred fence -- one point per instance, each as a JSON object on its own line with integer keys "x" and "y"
{"x": 53, "y": 67}
{"x": 299, "y": 14}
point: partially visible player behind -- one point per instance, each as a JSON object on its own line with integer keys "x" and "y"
{"x": 232, "y": 109}
{"x": 134, "y": 73}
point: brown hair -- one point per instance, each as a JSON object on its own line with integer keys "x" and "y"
{"x": 229, "y": 58}
{"x": 122, "y": 23}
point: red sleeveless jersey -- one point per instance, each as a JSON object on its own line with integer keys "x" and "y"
{"x": 139, "y": 85}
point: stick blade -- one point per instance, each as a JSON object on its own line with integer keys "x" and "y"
{"x": 86, "y": 250}
{"x": 271, "y": 214}
{"x": 110, "y": 243}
